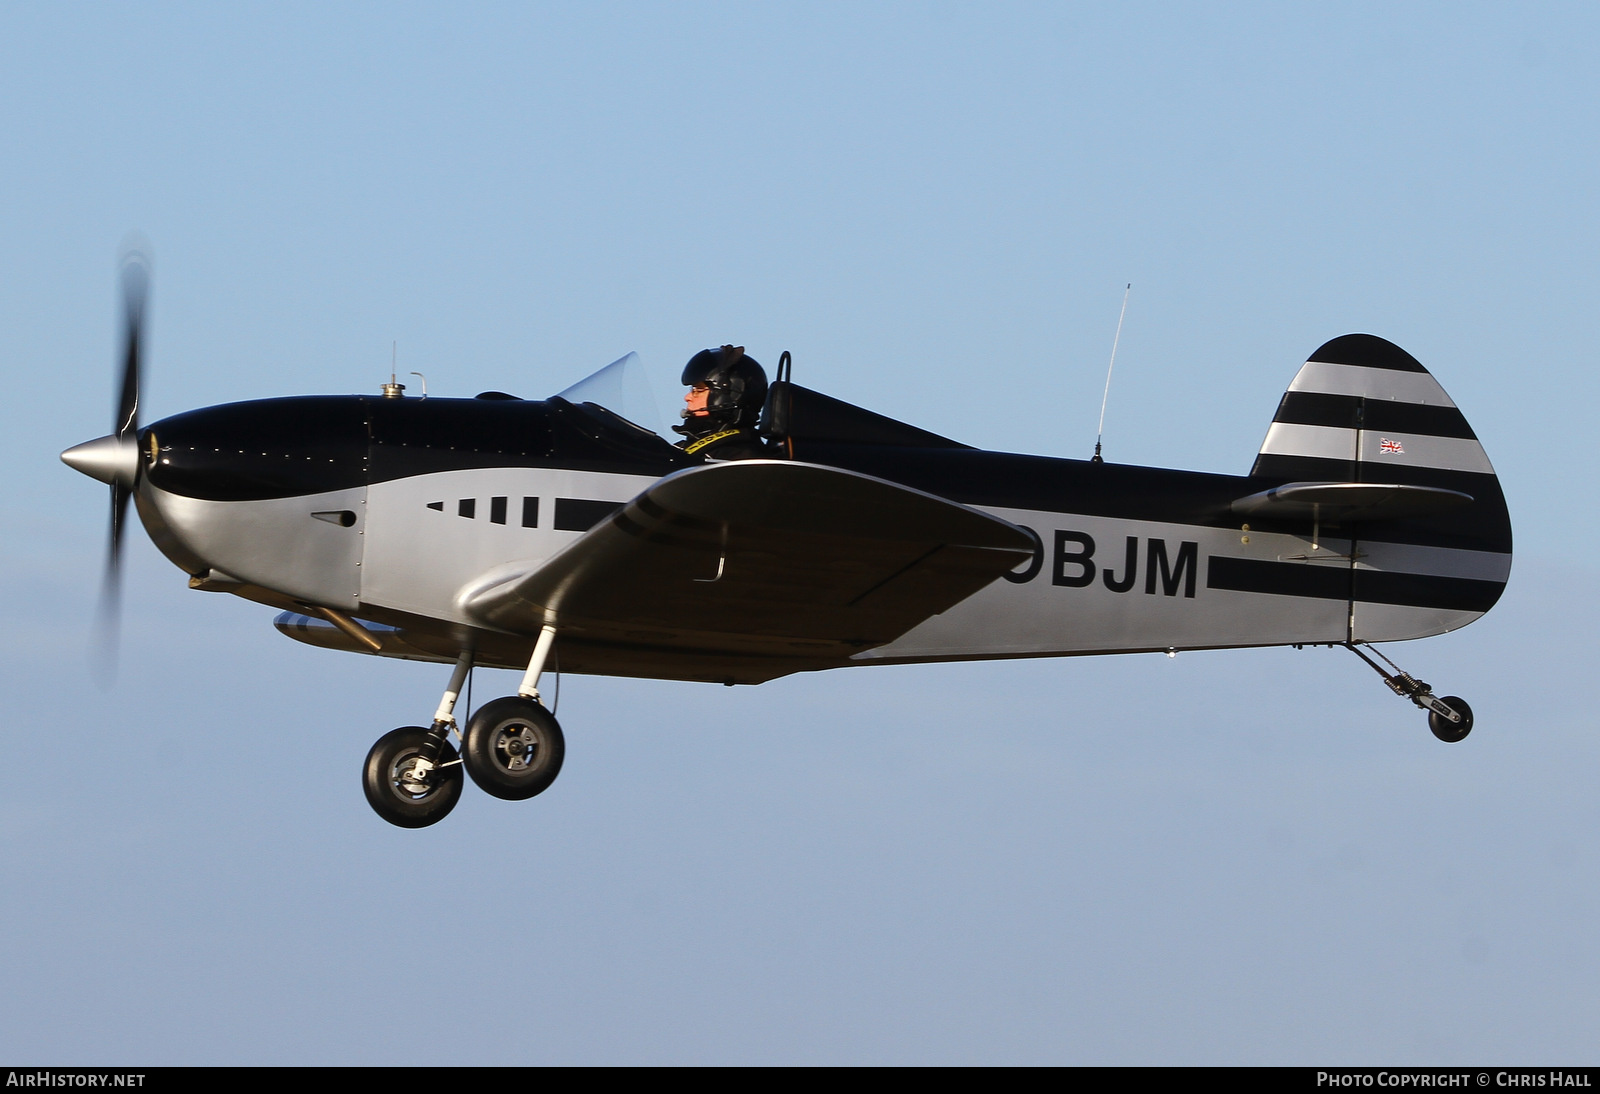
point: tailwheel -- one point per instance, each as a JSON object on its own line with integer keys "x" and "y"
{"x": 513, "y": 748}
{"x": 1449, "y": 718}
{"x": 1443, "y": 728}
{"x": 402, "y": 787}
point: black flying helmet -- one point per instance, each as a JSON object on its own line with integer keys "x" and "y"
{"x": 737, "y": 389}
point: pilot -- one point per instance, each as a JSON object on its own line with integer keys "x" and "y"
{"x": 726, "y": 391}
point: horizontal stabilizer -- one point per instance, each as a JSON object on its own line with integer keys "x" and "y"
{"x": 1334, "y": 502}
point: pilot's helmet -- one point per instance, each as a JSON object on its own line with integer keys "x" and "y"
{"x": 737, "y": 389}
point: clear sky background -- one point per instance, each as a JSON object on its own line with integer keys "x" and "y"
{"x": 1231, "y": 857}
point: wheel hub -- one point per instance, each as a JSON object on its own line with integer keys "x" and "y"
{"x": 517, "y": 746}
{"x": 411, "y": 776}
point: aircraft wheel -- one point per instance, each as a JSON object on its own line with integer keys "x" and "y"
{"x": 1446, "y": 730}
{"x": 392, "y": 790}
{"x": 513, "y": 748}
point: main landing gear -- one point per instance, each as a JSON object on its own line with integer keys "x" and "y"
{"x": 1449, "y": 718}
{"x": 512, "y": 748}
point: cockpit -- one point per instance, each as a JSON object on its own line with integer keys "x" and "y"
{"x": 619, "y": 401}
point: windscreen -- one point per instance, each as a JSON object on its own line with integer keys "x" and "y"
{"x": 622, "y": 388}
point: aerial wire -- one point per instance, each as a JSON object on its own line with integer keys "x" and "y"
{"x": 1101, "y": 428}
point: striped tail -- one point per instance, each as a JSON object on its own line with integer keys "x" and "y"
{"x": 1364, "y": 410}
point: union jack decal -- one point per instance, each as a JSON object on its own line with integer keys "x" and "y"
{"x": 1394, "y": 447}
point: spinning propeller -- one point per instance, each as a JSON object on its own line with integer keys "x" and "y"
{"x": 114, "y": 459}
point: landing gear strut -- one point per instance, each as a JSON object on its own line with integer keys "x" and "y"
{"x": 512, "y": 748}
{"x": 1449, "y": 718}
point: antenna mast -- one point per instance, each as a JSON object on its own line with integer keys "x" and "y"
{"x": 1101, "y": 428}
{"x": 393, "y": 390}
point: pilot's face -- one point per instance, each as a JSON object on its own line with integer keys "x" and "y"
{"x": 695, "y": 401}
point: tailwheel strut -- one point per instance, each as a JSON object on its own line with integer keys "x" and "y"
{"x": 1449, "y": 718}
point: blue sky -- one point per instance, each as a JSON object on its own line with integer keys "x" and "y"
{"x": 1256, "y": 857}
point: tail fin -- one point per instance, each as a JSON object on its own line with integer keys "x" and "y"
{"x": 1364, "y": 410}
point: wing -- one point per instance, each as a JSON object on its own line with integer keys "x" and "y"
{"x": 759, "y": 566}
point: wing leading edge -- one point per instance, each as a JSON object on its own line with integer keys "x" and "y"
{"x": 750, "y": 570}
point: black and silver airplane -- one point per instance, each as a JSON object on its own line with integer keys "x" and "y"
{"x": 556, "y": 533}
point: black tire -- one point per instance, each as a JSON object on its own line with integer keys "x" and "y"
{"x": 1446, "y": 730}
{"x": 384, "y": 783}
{"x": 513, "y": 748}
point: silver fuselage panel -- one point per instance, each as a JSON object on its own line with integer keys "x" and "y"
{"x": 1099, "y": 585}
